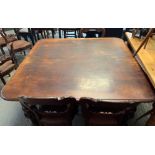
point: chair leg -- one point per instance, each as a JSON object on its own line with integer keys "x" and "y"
{"x": 64, "y": 33}
{"x": 24, "y": 53}
{"x": 47, "y": 34}
{"x": 146, "y": 43}
{"x": 42, "y": 35}
{"x": 59, "y": 33}
{"x": 32, "y": 39}
{"x": 75, "y": 34}
{"x": 35, "y": 37}
{"x": 53, "y": 33}
{"x": 3, "y": 80}
{"x": 38, "y": 36}
{"x": 15, "y": 61}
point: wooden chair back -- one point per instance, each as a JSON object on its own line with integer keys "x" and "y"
{"x": 49, "y": 111}
{"x": 114, "y": 32}
{"x": 8, "y": 38}
{"x": 92, "y": 32}
{"x": 69, "y": 32}
{"x": 98, "y": 112}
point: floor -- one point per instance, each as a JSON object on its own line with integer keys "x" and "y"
{"x": 11, "y": 113}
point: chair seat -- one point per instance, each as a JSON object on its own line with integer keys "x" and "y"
{"x": 21, "y": 45}
{"x": 4, "y": 58}
{"x": 54, "y": 122}
{"x": 6, "y": 67}
{"x": 10, "y": 38}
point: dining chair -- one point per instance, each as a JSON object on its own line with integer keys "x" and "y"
{"x": 3, "y": 38}
{"x": 91, "y": 32}
{"x": 100, "y": 113}
{"x": 14, "y": 45}
{"x": 34, "y": 34}
{"x": 69, "y": 32}
{"x": 38, "y": 33}
{"x": 114, "y": 32}
{"x": 49, "y": 111}
{"x": 18, "y": 46}
{"x": 6, "y": 67}
{"x": 47, "y": 32}
{"x": 24, "y": 33}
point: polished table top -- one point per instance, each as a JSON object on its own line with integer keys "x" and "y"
{"x": 145, "y": 57}
{"x": 96, "y": 68}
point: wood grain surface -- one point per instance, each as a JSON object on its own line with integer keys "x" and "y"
{"x": 146, "y": 57}
{"x": 96, "y": 68}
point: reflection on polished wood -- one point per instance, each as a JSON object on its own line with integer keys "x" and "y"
{"x": 97, "y": 68}
{"x": 146, "y": 56}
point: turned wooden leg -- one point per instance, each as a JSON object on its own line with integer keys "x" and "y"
{"x": 151, "y": 120}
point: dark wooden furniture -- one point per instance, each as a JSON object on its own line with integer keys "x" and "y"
{"x": 92, "y": 32}
{"x": 47, "y": 35}
{"x": 69, "y": 32}
{"x": 18, "y": 46}
{"x": 6, "y": 66}
{"x": 98, "y": 112}
{"x": 100, "y": 68}
{"x": 49, "y": 111}
{"x": 145, "y": 41}
{"x": 15, "y": 45}
{"x": 4, "y": 39}
{"x": 24, "y": 33}
{"x": 37, "y": 32}
{"x": 114, "y": 32}
{"x": 34, "y": 34}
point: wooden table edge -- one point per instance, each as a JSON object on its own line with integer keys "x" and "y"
{"x": 51, "y": 39}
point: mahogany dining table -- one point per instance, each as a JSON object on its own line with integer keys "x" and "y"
{"x": 98, "y": 68}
